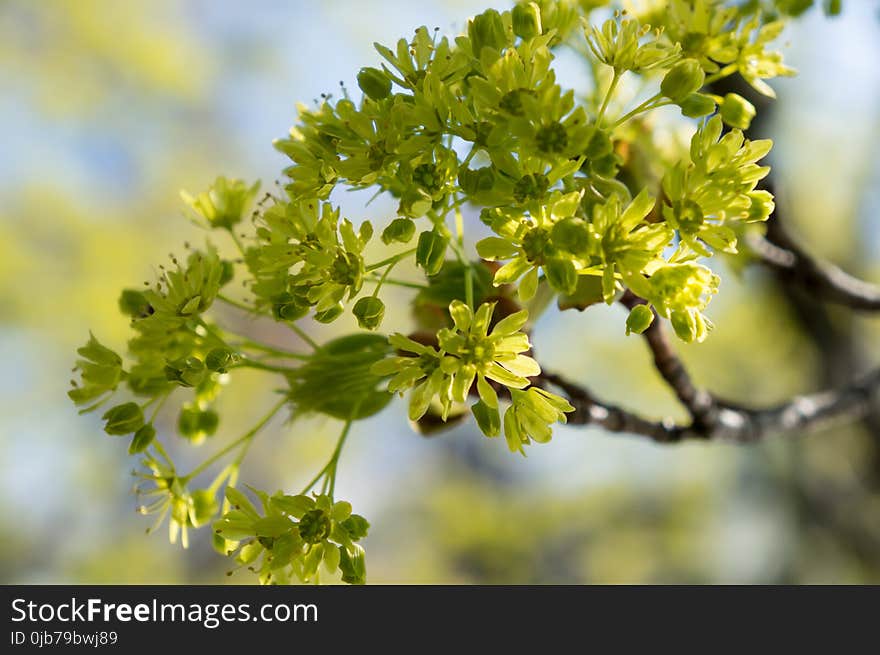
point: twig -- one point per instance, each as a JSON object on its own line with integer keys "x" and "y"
{"x": 734, "y": 424}
{"x": 782, "y": 253}
{"x": 699, "y": 403}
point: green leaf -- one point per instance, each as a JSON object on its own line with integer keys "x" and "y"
{"x": 488, "y": 419}
{"x": 587, "y": 292}
{"x": 356, "y": 526}
{"x": 142, "y": 439}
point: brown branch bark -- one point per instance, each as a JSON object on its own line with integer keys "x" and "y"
{"x": 698, "y": 402}
{"x": 780, "y": 252}
{"x": 728, "y": 423}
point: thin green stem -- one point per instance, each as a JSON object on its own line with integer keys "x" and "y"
{"x": 245, "y": 438}
{"x": 399, "y": 283}
{"x": 237, "y": 241}
{"x": 389, "y": 260}
{"x": 302, "y": 334}
{"x": 328, "y": 472}
{"x": 236, "y": 304}
{"x": 251, "y": 363}
{"x": 645, "y": 106}
{"x": 608, "y": 94}
{"x": 272, "y": 350}
{"x": 211, "y": 332}
{"x": 159, "y": 406}
{"x": 383, "y": 278}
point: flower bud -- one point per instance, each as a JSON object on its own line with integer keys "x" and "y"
{"x": 527, "y": 20}
{"x": 639, "y": 319}
{"x": 375, "y": 83}
{"x": 369, "y": 312}
{"x": 195, "y": 424}
{"x": 187, "y": 372}
{"x": 697, "y": 105}
{"x": 123, "y": 419}
{"x": 736, "y": 111}
{"x": 683, "y": 79}
{"x": 288, "y": 307}
{"x": 431, "y": 252}
{"x": 220, "y": 359}
{"x": 330, "y": 315}
{"x": 352, "y": 565}
{"x": 401, "y": 230}
{"x": 487, "y": 31}
{"x": 142, "y": 439}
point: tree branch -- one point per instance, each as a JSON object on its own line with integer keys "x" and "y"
{"x": 781, "y": 252}
{"x": 727, "y": 422}
{"x": 699, "y": 403}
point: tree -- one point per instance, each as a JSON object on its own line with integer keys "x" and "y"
{"x": 581, "y": 202}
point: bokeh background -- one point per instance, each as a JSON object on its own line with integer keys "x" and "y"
{"x": 109, "y": 107}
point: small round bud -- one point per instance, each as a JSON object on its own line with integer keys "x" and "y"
{"x": 375, "y": 83}
{"x": 196, "y": 424}
{"x": 431, "y": 252}
{"x": 400, "y": 230}
{"x": 683, "y": 79}
{"x": 220, "y": 359}
{"x": 527, "y": 20}
{"x": 123, "y": 419}
{"x": 736, "y": 111}
{"x": 187, "y": 372}
{"x": 697, "y": 105}
{"x": 639, "y": 319}
{"x": 369, "y": 312}
{"x": 330, "y": 315}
